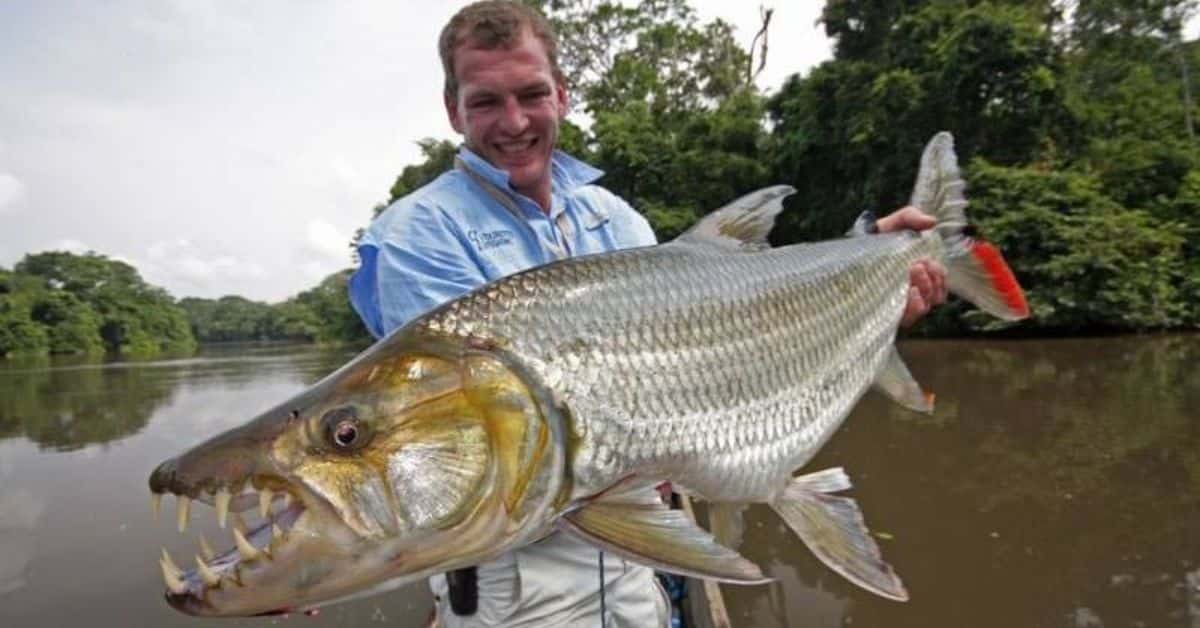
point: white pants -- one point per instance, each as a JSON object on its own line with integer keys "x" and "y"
{"x": 556, "y": 582}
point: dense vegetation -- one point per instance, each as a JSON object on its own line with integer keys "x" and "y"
{"x": 320, "y": 314}
{"x": 1074, "y": 119}
{"x": 1075, "y": 128}
{"x": 59, "y": 302}
{"x": 63, "y": 303}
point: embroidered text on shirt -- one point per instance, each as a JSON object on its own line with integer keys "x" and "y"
{"x": 490, "y": 239}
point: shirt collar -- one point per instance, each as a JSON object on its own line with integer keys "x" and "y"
{"x": 566, "y": 172}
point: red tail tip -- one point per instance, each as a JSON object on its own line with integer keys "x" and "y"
{"x": 1002, "y": 277}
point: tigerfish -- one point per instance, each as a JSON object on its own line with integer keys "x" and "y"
{"x": 547, "y": 400}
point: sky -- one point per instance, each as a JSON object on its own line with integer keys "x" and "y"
{"x": 233, "y": 147}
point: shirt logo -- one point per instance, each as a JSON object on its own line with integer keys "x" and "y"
{"x": 486, "y": 240}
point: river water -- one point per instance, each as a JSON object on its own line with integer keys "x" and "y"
{"x": 1057, "y": 485}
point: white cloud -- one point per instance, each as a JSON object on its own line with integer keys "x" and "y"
{"x": 265, "y": 141}
{"x": 70, "y": 245}
{"x": 326, "y": 240}
{"x": 11, "y": 191}
{"x": 179, "y": 262}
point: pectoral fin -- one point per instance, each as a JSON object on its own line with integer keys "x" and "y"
{"x": 832, "y": 527}
{"x": 897, "y": 382}
{"x": 665, "y": 539}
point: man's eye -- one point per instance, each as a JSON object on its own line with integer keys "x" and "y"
{"x": 481, "y": 103}
{"x": 534, "y": 96}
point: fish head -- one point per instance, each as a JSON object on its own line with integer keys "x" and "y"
{"x": 423, "y": 454}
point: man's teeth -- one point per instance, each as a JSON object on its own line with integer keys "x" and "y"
{"x": 516, "y": 147}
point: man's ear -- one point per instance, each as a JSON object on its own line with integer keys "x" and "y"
{"x": 451, "y": 103}
{"x": 561, "y": 99}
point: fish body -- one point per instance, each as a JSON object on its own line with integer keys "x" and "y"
{"x": 543, "y": 400}
{"x": 723, "y": 372}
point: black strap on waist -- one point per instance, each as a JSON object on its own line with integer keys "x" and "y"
{"x": 464, "y": 590}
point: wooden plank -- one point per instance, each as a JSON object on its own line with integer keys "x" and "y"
{"x": 717, "y": 614}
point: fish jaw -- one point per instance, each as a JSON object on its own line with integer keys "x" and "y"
{"x": 451, "y": 456}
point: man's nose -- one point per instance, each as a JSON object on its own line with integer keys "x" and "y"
{"x": 513, "y": 118}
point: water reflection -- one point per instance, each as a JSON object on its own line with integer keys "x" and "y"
{"x": 68, "y": 403}
{"x": 1057, "y": 482}
{"x": 20, "y": 513}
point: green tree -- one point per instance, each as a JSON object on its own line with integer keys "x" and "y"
{"x": 848, "y": 134}
{"x": 1088, "y": 263}
{"x": 133, "y": 316}
{"x": 677, "y": 123}
{"x": 228, "y": 319}
{"x": 293, "y": 321}
{"x": 1129, "y": 93}
{"x": 71, "y": 325}
{"x": 438, "y": 157}
{"x": 19, "y": 334}
{"x": 330, "y": 307}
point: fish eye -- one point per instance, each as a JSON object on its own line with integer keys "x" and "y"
{"x": 344, "y": 431}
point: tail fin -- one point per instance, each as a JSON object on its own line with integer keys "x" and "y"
{"x": 975, "y": 269}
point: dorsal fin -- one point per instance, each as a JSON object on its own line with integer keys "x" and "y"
{"x": 742, "y": 225}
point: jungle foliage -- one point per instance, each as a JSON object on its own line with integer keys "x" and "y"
{"x": 319, "y": 314}
{"x": 1074, "y": 120}
{"x": 63, "y": 303}
{"x": 58, "y": 302}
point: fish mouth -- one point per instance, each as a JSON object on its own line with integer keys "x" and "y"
{"x": 280, "y": 509}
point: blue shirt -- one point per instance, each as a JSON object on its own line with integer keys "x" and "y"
{"x": 451, "y": 236}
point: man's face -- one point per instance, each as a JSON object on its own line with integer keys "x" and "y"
{"x": 508, "y": 108}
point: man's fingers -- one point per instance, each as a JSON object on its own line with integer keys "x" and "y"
{"x": 907, "y": 217}
{"x": 914, "y": 309}
{"x": 937, "y": 275}
{"x": 918, "y": 277}
{"x": 927, "y": 288}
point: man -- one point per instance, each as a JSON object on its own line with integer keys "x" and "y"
{"x": 514, "y": 202}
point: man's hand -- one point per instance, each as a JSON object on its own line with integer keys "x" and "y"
{"x": 926, "y": 278}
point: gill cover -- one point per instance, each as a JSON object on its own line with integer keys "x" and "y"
{"x": 460, "y": 431}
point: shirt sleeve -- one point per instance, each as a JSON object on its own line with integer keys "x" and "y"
{"x": 408, "y": 266}
{"x": 630, "y": 228}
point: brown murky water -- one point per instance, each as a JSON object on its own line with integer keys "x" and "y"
{"x": 1058, "y": 485}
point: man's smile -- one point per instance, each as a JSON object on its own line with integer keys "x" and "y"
{"x": 515, "y": 147}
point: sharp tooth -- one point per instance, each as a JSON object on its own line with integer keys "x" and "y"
{"x": 182, "y": 506}
{"x": 211, "y": 579}
{"x": 167, "y": 562}
{"x": 155, "y": 503}
{"x": 239, "y": 524}
{"x": 287, "y": 500}
{"x": 172, "y": 575}
{"x": 264, "y": 502}
{"x": 174, "y": 583}
{"x": 244, "y": 547}
{"x": 222, "y": 503}
{"x": 206, "y": 549}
